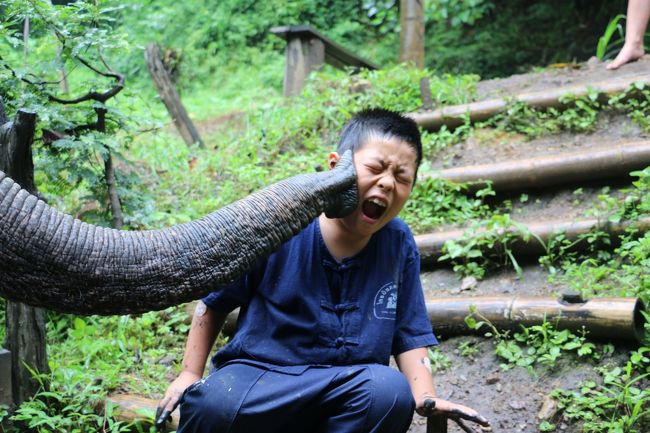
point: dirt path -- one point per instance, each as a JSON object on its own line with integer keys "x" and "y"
{"x": 583, "y": 73}
{"x": 513, "y": 398}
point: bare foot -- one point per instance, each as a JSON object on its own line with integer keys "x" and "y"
{"x": 628, "y": 53}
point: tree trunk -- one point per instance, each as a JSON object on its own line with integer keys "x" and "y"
{"x": 169, "y": 96}
{"x": 412, "y": 32}
{"x": 109, "y": 176}
{"x": 25, "y": 325}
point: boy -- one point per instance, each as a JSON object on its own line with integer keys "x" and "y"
{"x": 320, "y": 318}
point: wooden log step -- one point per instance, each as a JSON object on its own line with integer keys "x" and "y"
{"x": 431, "y": 245}
{"x": 542, "y": 171}
{"x": 132, "y": 408}
{"x": 605, "y": 318}
{"x": 454, "y": 115}
{"x": 617, "y": 319}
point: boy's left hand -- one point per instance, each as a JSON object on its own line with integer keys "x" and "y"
{"x": 428, "y": 406}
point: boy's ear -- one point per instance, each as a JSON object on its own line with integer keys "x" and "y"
{"x": 333, "y": 160}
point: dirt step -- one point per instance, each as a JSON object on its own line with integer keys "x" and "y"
{"x": 453, "y": 116}
{"x": 531, "y": 240}
{"x": 555, "y": 169}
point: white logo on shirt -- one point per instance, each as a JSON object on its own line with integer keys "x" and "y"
{"x": 385, "y": 305}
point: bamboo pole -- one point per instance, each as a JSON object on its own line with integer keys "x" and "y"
{"x": 603, "y": 318}
{"x": 543, "y": 171}
{"x": 430, "y": 245}
{"x": 611, "y": 318}
{"x": 453, "y": 116}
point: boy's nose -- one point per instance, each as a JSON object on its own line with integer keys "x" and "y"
{"x": 386, "y": 182}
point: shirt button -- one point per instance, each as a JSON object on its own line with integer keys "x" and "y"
{"x": 339, "y": 342}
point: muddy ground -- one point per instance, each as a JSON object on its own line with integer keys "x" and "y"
{"x": 512, "y": 399}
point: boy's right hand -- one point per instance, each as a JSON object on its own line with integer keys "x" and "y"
{"x": 172, "y": 396}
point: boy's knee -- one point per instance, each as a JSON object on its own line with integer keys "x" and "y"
{"x": 211, "y": 404}
{"x": 201, "y": 411}
{"x": 391, "y": 392}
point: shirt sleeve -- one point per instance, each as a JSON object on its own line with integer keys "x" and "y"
{"x": 227, "y": 297}
{"x": 413, "y": 328}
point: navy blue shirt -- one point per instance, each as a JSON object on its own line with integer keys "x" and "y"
{"x": 302, "y": 307}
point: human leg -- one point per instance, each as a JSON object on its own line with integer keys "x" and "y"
{"x": 211, "y": 404}
{"x": 638, "y": 13}
{"x": 240, "y": 398}
{"x": 367, "y": 399}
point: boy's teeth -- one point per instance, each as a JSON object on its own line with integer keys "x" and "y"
{"x": 377, "y": 202}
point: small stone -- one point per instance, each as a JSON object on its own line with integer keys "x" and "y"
{"x": 516, "y": 404}
{"x": 498, "y": 388}
{"x": 468, "y": 283}
{"x": 463, "y": 377}
{"x": 492, "y": 379}
{"x": 167, "y": 361}
{"x": 593, "y": 62}
{"x": 522, "y": 426}
{"x": 361, "y": 86}
{"x": 548, "y": 409}
{"x": 563, "y": 426}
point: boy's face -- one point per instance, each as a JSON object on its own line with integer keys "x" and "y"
{"x": 385, "y": 173}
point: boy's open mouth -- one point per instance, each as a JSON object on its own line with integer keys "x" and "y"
{"x": 373, "y": 208}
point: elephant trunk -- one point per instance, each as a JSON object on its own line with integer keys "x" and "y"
{"x": 52, "y": 260}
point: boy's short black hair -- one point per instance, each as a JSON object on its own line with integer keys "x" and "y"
{"x": 383, "y": 123}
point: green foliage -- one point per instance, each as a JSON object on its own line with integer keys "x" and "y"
{"x": 436, "y": 201}
{"x": 91, "y": 356}
{"x": 606, "y": 46}
{"x": 68, "y": 409}
{"x": 78, "y": 39}
{"x": 636, "y": 103}
{"x": 546, "y": 426}
{"x": 485, "y": 37}
{"x": 485, "y": 244}
{"x": 543, "y": 345}
{"x": 595, "y": 272}
{"x": 621, "y": 403}
{"x": 439, "y": 361}
{"x": 579, "y": 116}
{"x": 468, "y": 348}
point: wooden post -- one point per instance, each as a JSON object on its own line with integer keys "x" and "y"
{"x": 425, "y": 93}
{"x": 5, "y": 379}
{"x": 25, "y": 325}
{"x": 437, "y": 424}
{"x": 412, "y": 32}
{"x": 303, "y": 55}
{"x": 169, "y": 96}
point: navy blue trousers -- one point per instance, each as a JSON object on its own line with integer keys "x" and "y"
{"x": 243, "y": 398}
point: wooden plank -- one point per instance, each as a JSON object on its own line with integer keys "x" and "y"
{"x": 335, "y": 54}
